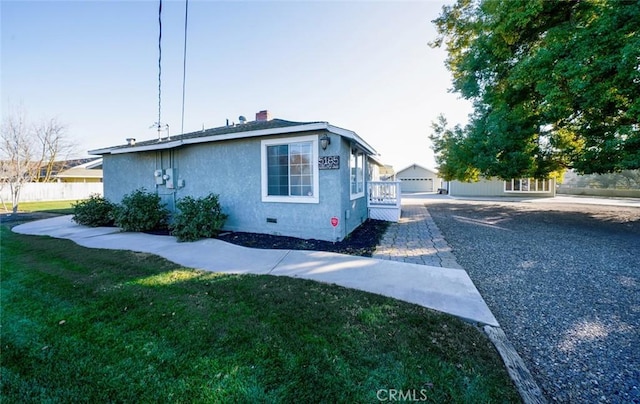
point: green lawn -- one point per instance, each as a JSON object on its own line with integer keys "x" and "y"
{"x": 62, "y": 207}
{"x": 97, "y": 325}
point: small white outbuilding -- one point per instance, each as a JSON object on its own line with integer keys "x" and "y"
{"x": 416, "y": 178}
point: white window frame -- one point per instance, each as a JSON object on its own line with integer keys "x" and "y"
{"x": 315, "y": 198}
{"x": 360, "y": 191}
{"x": 533, "y": 185}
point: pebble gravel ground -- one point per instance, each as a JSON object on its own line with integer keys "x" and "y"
{"x": 564, "y": 283}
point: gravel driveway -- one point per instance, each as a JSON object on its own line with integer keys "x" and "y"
{"x": 564, "y": 283}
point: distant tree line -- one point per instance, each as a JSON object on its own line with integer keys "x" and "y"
{"x": 626, "y": 179}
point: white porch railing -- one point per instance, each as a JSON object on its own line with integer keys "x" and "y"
{"x": 384, "y": 200}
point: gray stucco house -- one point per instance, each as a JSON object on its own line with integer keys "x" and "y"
{"x": 273, "y": 176}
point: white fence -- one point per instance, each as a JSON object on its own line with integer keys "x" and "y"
{"x": 54, "y": 191}
{"x": 616, "y": 193}
{"x": 384, "y": 200}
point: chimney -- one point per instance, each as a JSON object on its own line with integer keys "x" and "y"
{"x": 131, "y": 141}
{"x": 263, "y": 116}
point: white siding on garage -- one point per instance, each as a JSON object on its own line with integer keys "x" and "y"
{"x": 416, "y": 178}
{"x": 417, "y": 184}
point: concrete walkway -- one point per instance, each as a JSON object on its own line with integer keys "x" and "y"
{"x": 449, "y": 290}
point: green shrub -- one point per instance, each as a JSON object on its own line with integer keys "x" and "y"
{"x": 197, "y": 218}
{"x": 141, "y": 211}
{"x": 95, "y": 211}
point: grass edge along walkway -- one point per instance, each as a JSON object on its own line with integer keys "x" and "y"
{"x": 84, "y": 324}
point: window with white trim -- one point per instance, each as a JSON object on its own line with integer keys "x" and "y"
{"x": 290, "y": 170}
{"x": 527, "y": 185}
{"x": 356, "y": 168}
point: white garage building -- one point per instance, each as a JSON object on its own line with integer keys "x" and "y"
{"x": 416, "y": 178}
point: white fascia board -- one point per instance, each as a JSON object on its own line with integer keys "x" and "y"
{"x": 290, "y": 129}
{"x": 100, "y": 152}
{"x": 240, "y": 135}
{"x": 376, "y": 159}
{"x": 88, "y": 165}
{"x": 79, "y": 175}
{"x": 212, "y": 138}
{"x": 149, "y": 147}
{"x": 93, "y": 164}
{"x": 353, "y": 136}
{"x": 258, "y": 133}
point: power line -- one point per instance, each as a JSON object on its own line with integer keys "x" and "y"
{"x": 159, "y": 67}
{"x": 184, "y": 60}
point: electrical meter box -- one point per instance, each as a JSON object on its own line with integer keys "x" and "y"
{"x": 157, "y": 174}
{"x": 170, "y": 178}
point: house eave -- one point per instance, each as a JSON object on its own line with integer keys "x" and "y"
{"x": 434, "y": 172}
{"x": 100, "y": 152}
{"x": 164, "y": 145}
{"x": 376, "y": 159}
{"x": 353, "y": 136}
{"x": 258, "y": 133}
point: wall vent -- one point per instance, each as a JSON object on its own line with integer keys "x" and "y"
{"x": 272, "y": 220}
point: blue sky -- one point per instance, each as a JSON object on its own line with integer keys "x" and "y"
{"x": 363, "y": 66}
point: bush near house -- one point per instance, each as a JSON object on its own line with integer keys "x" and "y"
{"x": 141, "y": 211}
{"x": 198, "y": 218}
{"x": 94, "y": 212}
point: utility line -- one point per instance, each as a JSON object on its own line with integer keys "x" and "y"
{"x": 159, "y": 67}
{"x": 184, "y": 60}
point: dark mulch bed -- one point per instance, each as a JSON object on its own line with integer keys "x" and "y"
{"x": 362, "y": 241}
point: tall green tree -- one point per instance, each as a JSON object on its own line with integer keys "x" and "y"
{"x": 554, "y": 85}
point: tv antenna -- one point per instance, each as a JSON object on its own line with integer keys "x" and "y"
{"x": 160, "y": 127}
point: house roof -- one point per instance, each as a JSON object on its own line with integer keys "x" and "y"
{"x": 95, "y": 163}
{"x": 239, "y": 131}
{"x": 376, "y": 160}
{"x": 387, "y": 170}
{"x": 90, "y": 169}
{"x": 417, "y": 166}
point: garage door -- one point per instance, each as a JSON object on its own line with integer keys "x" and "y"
{"x": 417, "y": 184}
